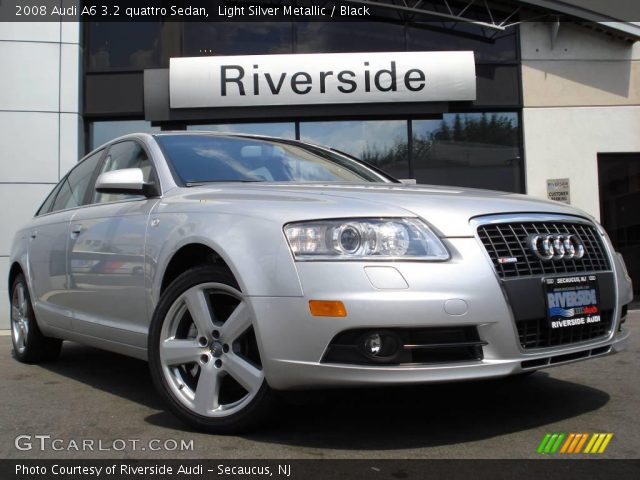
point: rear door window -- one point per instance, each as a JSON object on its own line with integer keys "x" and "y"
{"x": 46, "y": 205}
{"x": 73, "y": 188}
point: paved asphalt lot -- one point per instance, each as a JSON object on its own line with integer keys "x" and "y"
{"x": 89, "y": 394}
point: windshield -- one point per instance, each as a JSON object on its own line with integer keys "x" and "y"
{"x": 211, "y": 158}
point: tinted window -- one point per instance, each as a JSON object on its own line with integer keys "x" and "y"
{"x": 480, "y": 150}
{"x": 210, "y": 158}
{"x": 124, "y": 155}
{"x": 46, "y": 205}
{"x": 103, "y": 132}
{"x": 273, "y": 129}
{"x": 237, "y": 38}
{"x": 131, "y": 46}
{"x": 329, "y": 37}
{"x": 487, "y": 45}
{"x": 497, "y": 85}
{"x": 74, "y": 186}
{"x": 383, "y": 143}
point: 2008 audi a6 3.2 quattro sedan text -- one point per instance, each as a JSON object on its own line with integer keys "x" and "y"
{"x": 240, "y": 266}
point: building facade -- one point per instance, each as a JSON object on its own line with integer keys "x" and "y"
{"x": 555, "y": 104}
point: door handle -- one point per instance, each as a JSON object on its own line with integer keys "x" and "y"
{"x": 75, "y": 230}
{"x": 34, "y": 234}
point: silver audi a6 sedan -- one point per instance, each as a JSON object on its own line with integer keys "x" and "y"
{"x": 243, "y": 265}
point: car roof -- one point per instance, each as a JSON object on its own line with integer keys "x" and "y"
{"x": 221, "y": 134}
{"x": 239, "y": 135}
{"x": 194, "y": 133}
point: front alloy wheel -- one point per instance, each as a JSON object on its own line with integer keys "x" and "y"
{"x": 203, "y": 353}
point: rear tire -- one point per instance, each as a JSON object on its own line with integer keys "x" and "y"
{"x": 29, "y": 344}
{"x": 203, "y": 353}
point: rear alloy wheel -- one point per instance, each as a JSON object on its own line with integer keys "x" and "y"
{"x": 29, "y": 344}
{"x": 203, "y": 353}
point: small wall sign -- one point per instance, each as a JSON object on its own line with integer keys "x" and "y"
{"x": 558, "y": 189}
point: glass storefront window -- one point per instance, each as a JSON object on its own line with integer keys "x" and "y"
{"x": 136, "y": 46}
{"x": 465, "y": 36}
{"x": 480, "y": 150}
{"x": 282, "y": 130}
{"x": 237, "y": 38}
{"x": 383, "y": 143}
{"x": 101, "y": 132}
{"x": 331, "y": 37}
{"x": 131, "y": 46}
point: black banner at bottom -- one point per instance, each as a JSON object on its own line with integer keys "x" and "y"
{"x": 548, "y": 469}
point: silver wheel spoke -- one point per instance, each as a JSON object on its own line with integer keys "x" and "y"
{"x": 19, "y": 322}
{"x": 199, "y": 310}
{"x": 208, "y": 389}
{"x": 19, "y": 333}
{"x": 22, "y": 299}
{"x": 179, "y": 352}
{"x": 237, "y": 323}
{"x": 243, "y": 372}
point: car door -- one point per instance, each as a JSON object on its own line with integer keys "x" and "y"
{"x": 107, "y": 256}
{"x": 48, "y": 237}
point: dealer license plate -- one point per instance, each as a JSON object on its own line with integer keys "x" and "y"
{"x": 572, "y": 301}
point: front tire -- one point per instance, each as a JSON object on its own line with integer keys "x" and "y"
{"x": 203, "y": 353}
{"x": 29, "y": 344}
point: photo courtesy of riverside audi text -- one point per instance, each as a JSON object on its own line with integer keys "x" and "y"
{"x": 319, "y": 239}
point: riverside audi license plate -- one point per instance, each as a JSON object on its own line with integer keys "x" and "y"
{"x": 572, "y": 301}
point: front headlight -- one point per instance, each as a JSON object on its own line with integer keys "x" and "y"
{"x": 364, "y": 239}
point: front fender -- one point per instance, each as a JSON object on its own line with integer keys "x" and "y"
{"x": 625, "y": 285}
{"x": 254, "y": 248}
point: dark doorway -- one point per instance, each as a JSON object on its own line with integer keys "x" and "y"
{"x": 619, "y": 181}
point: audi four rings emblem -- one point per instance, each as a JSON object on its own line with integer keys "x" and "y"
{"x": 556, "y": 246}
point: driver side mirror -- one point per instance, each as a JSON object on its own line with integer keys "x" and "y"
{"x": 127, "y": 180}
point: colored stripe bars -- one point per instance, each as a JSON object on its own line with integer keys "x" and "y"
{"x": 574, "y": 443}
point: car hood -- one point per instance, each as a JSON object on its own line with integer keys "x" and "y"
{"x": 448, "y": 209}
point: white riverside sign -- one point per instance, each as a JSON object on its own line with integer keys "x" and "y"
{"x": 299, "y": 79}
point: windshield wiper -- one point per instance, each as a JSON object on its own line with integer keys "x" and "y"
{"x": 203, "y": 182}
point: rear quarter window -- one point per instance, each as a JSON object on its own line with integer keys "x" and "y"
{"x": 72, "y": 189}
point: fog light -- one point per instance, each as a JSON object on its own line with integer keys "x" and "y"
{"x": 373, "y": 344}
{"x": 380, "y": 345}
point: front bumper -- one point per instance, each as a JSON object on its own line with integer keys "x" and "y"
{"x": 461, "y": 292}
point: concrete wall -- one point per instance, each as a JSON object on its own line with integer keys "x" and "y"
{"x": 581, "y": 97}
{"x": 40, "y": 124}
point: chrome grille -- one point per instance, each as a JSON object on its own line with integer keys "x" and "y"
{"x": 509, "y": 240}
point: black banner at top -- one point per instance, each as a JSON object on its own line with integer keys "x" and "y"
{"x": 489, "y": 14}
